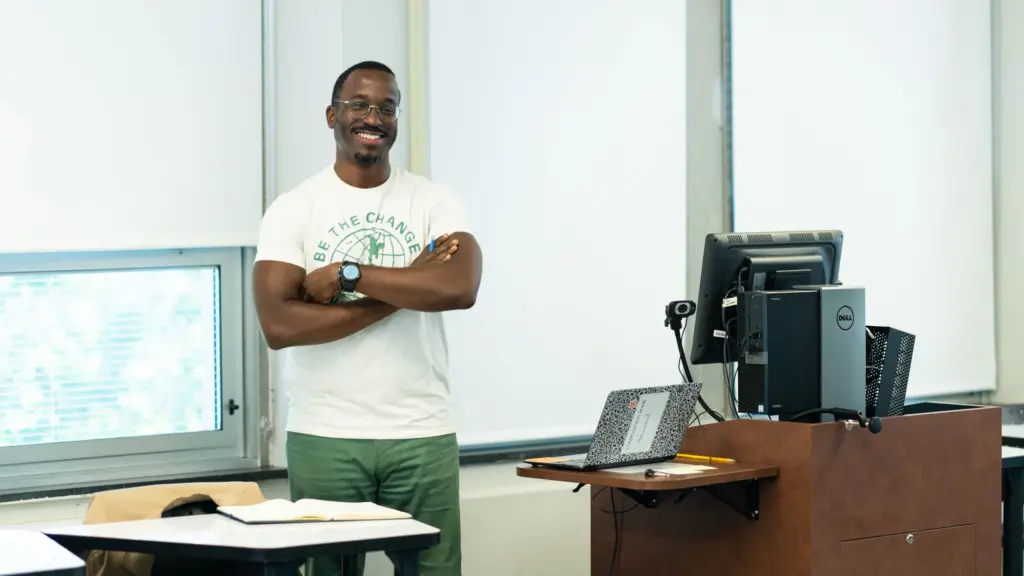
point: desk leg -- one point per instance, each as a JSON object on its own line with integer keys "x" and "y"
{"x": 349, "y": 565}
{"x": 1013, "y": 522}
{"x": 407, "y": 562}
{"x": 280, "y": 569}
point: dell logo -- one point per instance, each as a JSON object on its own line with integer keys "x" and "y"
{"x": 844, "y": 318}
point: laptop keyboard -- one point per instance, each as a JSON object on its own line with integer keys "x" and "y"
{"x": 574, "y": 459}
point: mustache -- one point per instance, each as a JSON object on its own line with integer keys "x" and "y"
{"x": 370, "y": 129}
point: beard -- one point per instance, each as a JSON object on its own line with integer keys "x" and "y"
{"x": 366, "y": 160}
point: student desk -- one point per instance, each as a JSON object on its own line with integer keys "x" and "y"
{"x": 24, "y": 553}
{"x": 271, "y": 549}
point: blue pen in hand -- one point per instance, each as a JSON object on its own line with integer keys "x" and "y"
{"x": 431, "y": 243}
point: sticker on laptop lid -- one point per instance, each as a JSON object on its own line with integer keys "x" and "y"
{"x": 643, "y": 427}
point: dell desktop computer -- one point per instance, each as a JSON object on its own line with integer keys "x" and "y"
{"x": 801, "y": 349}
{"x": 772, "y": 303}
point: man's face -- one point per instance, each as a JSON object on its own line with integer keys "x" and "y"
{"x": 360, "y": 115}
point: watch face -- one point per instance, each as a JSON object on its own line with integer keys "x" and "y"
{"x": 350, "y": 272}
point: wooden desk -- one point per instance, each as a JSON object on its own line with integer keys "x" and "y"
{"x": 24, "y": 553}
{"x": 271, "y": 549}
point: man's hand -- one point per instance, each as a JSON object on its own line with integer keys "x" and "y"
{"x": 321, "y": 284}
{"x": 287, "y": 321}
{"x": 444, "y": 247}
{"x": 435, "y": 282}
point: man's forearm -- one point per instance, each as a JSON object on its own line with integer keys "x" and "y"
{"x": 452, "y": 285}
{"x": 422, "y": 288}
{"x": 297, "y": 323}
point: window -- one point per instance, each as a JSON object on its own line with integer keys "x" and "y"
{"x": 116, "y": 366}
{"x": 112, "y": 354}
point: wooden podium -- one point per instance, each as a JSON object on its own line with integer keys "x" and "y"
{"x": 923, "y": 497}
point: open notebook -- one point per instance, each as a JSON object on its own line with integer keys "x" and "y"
{"x": 309, "y": 510}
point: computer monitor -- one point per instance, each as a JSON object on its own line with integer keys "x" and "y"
{"x": 755, "y": 261}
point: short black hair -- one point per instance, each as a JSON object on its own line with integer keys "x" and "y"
{"x": 365, "y": 65}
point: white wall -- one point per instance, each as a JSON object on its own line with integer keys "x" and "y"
{"x": 1009, "y": 196}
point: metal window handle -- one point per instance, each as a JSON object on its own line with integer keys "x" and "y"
{"x": 232, "y": 407}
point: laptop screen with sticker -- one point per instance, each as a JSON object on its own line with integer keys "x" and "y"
{"x": 643, "y": 428}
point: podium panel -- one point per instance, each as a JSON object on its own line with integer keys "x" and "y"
{"x": 842, "y": 502}
{"x": 942, "y": 552}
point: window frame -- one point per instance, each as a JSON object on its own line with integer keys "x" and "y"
{"x": 41, "y": 466}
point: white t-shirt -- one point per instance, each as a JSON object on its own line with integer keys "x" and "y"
{"x": 389, "y": 380}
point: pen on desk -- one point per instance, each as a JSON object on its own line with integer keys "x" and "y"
{"x": 712, "y": 459}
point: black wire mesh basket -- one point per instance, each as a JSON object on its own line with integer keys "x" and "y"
{"x": 890, "y": 352}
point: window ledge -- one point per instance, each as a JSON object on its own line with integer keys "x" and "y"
{"x": 242, "y": 475}
{"x": 506, "y": 452}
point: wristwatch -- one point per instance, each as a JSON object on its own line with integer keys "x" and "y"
{"x": 348, "y": 276}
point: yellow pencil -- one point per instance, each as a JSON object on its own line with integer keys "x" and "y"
{"x": 711, "y": 459}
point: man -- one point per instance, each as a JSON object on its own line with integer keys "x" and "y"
{"x": 346, "y": 283}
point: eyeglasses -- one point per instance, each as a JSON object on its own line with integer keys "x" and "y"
{"x": 360, "y": 110}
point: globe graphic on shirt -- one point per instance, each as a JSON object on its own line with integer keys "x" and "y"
{"x": 371, "y": 246}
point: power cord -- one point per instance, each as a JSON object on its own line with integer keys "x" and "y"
{"x": 618, "y": 531}
{"x": 677, "y": 321}
{"x": 618, "y": 522}
{"x": 730, "y": 375}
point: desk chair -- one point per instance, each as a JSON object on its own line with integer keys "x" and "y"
{"x": 163, "y": 501}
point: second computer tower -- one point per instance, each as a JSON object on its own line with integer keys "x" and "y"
{"x": 801, "y": 349}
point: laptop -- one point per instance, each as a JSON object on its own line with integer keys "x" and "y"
{"x": 637, "y": 426}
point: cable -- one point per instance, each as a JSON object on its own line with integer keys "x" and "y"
{"x": 615, "y": 543}
{"x": 618, "y": 521}
{"x": 696, "y": 418}
{"x": 686, "y": 371}
{"x": 730, "y": 376}
{"x": 598, "y": 493}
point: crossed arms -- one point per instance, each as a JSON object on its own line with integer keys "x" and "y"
{"x": 286, "y": 298}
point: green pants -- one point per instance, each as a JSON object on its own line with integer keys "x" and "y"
{"x": 419, "y": 476}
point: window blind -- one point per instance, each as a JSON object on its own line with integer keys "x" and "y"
{"x": 130, "y": 125}
{"x": 875, "y": 117}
